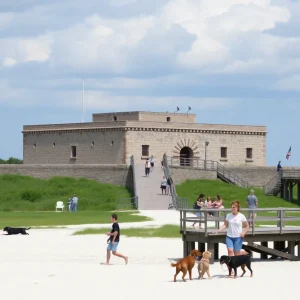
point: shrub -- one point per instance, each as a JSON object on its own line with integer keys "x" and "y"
{"x": 31, "y": 195}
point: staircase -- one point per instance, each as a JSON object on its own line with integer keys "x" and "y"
{"x": 273, "y": 187}
{"x": 148, "y": 188}
{"x": 222, "y": 172}
{"x": 229, "y": 177}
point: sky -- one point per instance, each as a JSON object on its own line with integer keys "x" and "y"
{"x": 231, "y": 61}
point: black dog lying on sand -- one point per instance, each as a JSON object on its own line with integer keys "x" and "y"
{"x": 234, "y": 262}
{"x": 12, "y": 230}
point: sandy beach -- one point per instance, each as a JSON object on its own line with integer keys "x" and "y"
{"x": 54, "y": 264}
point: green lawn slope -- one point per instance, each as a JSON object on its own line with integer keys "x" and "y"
{"x": 22, "y": 193}
{"x": 191, "y": 189}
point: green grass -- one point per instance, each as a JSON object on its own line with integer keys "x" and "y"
{"x": 50, "y": 219}
{"x": 166, "y": 231}
{"x": 191, "y": 189}
{"x": 23, "y": 193}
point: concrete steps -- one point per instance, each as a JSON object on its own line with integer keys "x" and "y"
{"x": 148, "y": 189}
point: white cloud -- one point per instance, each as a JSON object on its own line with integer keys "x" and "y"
{"x": 291, "y": 83}
{"x": 26, "y": 50}
{"x": 9, "y": 62}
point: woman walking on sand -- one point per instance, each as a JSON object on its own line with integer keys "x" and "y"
{"x": 237, "y": 227}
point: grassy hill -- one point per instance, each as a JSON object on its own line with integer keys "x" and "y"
{"x": 191, "y": 189}
{"x": 22, "y": 193}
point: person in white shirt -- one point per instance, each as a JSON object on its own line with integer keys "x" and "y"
{"x": 237, "y": 227}
{"x": 147, "y": 168}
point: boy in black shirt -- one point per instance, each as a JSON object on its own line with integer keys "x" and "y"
{"x": 113, "y": 240}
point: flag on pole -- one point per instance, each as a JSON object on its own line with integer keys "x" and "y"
{"x": 289, "y": 153}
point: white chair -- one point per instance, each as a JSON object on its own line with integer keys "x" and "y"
{"x": 59, "y": 205}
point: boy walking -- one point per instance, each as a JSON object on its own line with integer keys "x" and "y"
{"x": 113, "y": 240}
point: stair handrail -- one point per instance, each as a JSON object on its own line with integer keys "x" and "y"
{"x": 271, "y": 185}
{"x": 136, "y": 198}
{"x": 209, "y": 165}
{"x": 231, "y": 176}
{"x": 177, "y": 202}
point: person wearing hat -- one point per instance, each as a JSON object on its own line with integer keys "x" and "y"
{"x": 252, "y": 203}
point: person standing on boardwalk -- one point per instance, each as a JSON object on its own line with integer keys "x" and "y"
{"x": 237, "y": 227}
{"x": 252, "y": 203}
{"x": 113, "y": 240}
{"x": 279, "y": 167}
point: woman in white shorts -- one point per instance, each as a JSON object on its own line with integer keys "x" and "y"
{"x": 237, "y": 227}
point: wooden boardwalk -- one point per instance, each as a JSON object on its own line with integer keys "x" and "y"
{"x": 283, "y": 237}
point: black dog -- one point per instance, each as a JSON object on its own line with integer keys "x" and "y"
{"x": 234, "y": 262}
{"x": 12, "y": 230}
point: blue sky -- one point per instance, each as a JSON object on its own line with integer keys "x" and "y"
{"x": 232, "y": 61}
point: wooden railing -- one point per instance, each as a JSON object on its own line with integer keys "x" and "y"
{"x": 273, "y": 184}
{"x": 209, "y": 165}
{"x": 177, "y": 202}
{"x": 281, "y": 215}
{"x": 136, "y": 198}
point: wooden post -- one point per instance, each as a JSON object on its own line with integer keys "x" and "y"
{"x": 201, "y": 247}
{"x": 298, "y": 194}
{"x": 264, "y": 255}
{"x": 216, "y": 248}
{"x": 285, "y": 190}
{"x": 291, "y": 247}
{"x": 184, "y": 222}
{"x": 291, "y": 191}
{"x": 211, "y": 248}
{"x": 193, "y": 246}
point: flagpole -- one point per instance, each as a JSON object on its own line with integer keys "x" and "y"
{"x": 82, "y": 100}
{"x": 291, "y": 158}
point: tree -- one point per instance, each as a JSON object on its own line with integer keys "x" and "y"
{"x": 11, "y": 161}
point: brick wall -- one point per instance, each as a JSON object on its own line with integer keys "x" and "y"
{"x": 94, "y": 147}
{"x": 112, "y": 174}
{"x": 181, "y": 174}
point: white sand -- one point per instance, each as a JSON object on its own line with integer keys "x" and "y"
{"x": 53, "y": 264}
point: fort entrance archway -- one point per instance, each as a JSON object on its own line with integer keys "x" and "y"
{"x": 186, "y": 154}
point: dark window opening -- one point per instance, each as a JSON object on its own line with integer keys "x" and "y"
{"x": 249, "y": 153}
{"x": 115, "y": 118}
{"x": 53, "y": 145}
{"x": 168, "y": 119}
{"x": 73, "y": 152}
{"x": 112, "y": 142}
{"x": 34, "y": 145}
{"x": 223, "y": 152}
{"x": 145, "y": 150}
{"x": 93, "y": 143}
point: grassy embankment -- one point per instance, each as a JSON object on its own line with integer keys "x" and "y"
{"x": 27, "y": 201}
{"x": 191, "y": 189}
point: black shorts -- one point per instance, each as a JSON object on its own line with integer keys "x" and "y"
{"x": 163, "y": 187}
{"x": 152, "y": 164}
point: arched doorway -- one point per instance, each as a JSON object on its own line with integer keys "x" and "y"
{"x": 186, "y": 154}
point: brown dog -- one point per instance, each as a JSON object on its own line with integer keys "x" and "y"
{"x": 203, "y": 266}
{"x": 186, "y": 264}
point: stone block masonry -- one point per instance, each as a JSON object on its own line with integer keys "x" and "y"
{"x": 181, "y": 174}
{"x": 112, "y": 174}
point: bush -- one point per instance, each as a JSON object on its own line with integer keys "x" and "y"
{"x": 31, "y": 195}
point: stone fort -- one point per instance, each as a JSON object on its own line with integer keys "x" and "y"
{"x": 112, "y": 138}
{"x": 102, "y": 149}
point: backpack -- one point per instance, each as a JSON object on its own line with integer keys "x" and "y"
{"x": 195, "y": 206}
